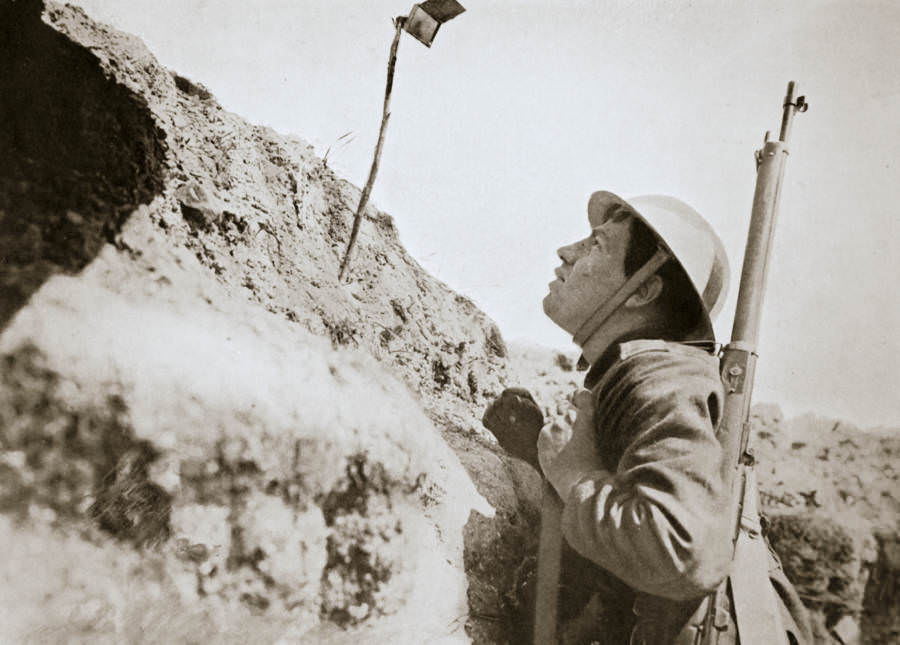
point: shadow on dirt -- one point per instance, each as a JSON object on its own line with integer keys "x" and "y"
{"x": 79, "y": 153}
{"x": 500, "y": 561}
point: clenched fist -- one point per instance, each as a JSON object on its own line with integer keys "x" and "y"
{"x": 567, "y": 447}
{"x": 516, "y": 420}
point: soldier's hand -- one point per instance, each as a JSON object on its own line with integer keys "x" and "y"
{"x": 516, "y": 420}
{"x": 567, "y": 447}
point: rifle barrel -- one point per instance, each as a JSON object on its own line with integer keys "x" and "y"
{"x": 748, "y": 313}
{"x": 791, "y": 105}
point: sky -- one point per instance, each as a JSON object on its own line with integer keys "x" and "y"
{"x": 521, "y": 109}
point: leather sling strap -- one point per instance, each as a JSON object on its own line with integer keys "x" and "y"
{"x": 756, "y": 607}
{"x": 632, "y": 284}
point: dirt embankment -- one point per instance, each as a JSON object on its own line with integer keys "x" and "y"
{"x": 205, "y": 437}
{"x": 192, "y": 406}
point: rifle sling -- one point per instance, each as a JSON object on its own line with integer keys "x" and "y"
{"x": 632, "y": 284}
{"x": 756, "y": 604}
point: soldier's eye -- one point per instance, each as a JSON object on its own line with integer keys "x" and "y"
{"x": 617, "y": 214}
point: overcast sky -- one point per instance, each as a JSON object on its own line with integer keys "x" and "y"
{"x": 521, "y": 109}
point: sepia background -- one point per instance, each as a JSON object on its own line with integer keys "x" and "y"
{"x": 206, "y": 436}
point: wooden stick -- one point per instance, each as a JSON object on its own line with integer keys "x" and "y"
{"x": 385, "y": 115}
{"x": 549, "y": 552}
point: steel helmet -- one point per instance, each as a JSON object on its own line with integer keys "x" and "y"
{"x": 689, "y": 240}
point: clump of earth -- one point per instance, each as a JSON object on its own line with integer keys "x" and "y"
{"x": 206, "y": 437}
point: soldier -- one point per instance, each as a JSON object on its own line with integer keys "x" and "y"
{"x": 636, "y": 462}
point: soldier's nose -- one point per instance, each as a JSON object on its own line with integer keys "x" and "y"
{"x": 570, "y": 253}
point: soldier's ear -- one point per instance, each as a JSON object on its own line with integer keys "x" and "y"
{"x": 646, "y": 293}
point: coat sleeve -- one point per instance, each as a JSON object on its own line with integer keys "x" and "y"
{"x": 659, "y": 520}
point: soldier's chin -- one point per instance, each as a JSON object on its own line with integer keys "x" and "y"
{"x": 555, "y": 309}
{"x": 548, "y": 305}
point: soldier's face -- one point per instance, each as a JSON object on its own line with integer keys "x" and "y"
{"x": 592, "y": 269}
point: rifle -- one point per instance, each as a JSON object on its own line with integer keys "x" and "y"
{"x": 758, "y": 614}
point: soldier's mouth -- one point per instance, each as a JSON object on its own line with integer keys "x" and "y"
{"x": 560, "y": 274}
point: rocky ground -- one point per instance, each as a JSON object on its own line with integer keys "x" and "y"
{"x": 207, "y": 438}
